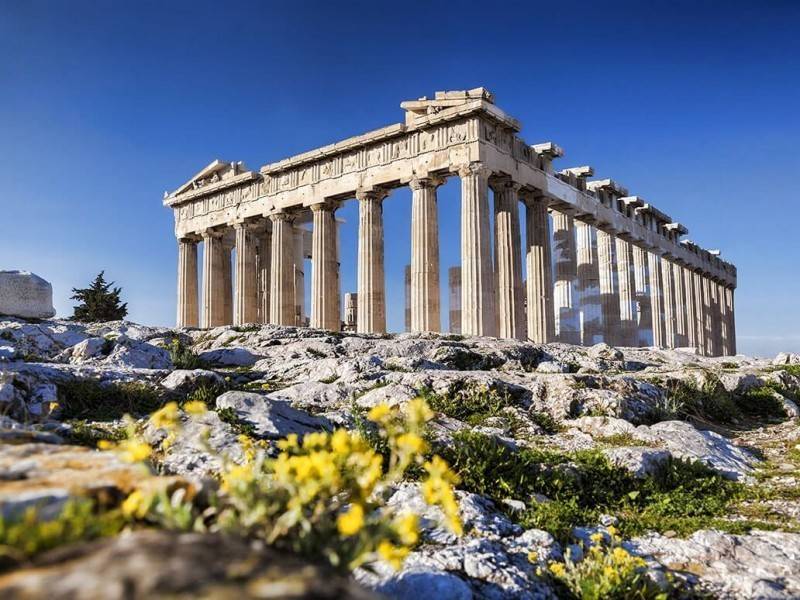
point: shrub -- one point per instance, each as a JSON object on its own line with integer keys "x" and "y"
{"x": 471, "y": 403}
{"x": 707, "y": 402}
{"x": 99, "y": 302}
{"x": 183, "y": 357}
{"x": 87, "y": 398}
{"x": 323, "y": 497}
{"x": 761, "y": 403}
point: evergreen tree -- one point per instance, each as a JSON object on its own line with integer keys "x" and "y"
{"x": 99, "y": 302}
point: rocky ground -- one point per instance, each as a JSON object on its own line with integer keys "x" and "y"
{"x": 692, "y": 462}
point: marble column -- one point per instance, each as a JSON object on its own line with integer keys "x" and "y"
{"x": 716, "y": 320}
{"x": 591, "y": 310}
{"x": 564, "y": 299}
{"x": 609, "y": 295}
{"x": 644, "y": 318}
{"x": 227, "y": 285}
{"x": 264, "y": 265}
{"x": 690, "y": 306}
{"x": 324, "y": 267}
{"x": 723, "y": 318}
{"x": 729, "y": 292}
{"x": 681, "y": 334}
{"x": 699, "y": 314}
{"x": 371, "y": 278}
{"x": 298, "y": 266}
{"x": 668, "y": 292}
{"x": 425, "y": 293}
{"x": 541, "y": 320}
{"x": 477, "y": 279}
{"x": 708, "y": 317}
{"x": 626, "y": 289}
{"x": 281, "y": 295}
{"x": 656, "y": 299}
{"x": 246, "y": 307}
{"x": 213, "y": 280}
{"x": 188, "y": 310}
{"x": 507, "y": 256}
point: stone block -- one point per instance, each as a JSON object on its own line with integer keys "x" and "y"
{"x": 25, "y": 295}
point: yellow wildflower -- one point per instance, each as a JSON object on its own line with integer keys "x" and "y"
{"x": 134, "y": 450}
{"x": 106, "y": 445}
{"x": 340, "y": 442}
{"x": 394, "y": 555}
{"x": 597, "y": 538}
{"x": 290, "y": 443}
{"x": 195, "y": 407}
{"x": 411, "y": 443}
{"x": 533, "y": 556}
{"x": 165, "y": 417}
{"x": 557, "y": 569}
{"x": 407, "y": 528}
{"x": 136, "y": 505}
{"x": 620, "y": 554}
{"x": 379, "y": 413}
{"x": 418, "y": 411}
{"x": 351, "y": 521}
{"x": 237, "y": 475}
{"x": 612, "y": 531}
{"x": 317, "y": 439}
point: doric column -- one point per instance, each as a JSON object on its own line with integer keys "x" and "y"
{"x": 477, "y": 289}
{"x": 425, "y": 293}
{"x": 324, "y": 267}
{"x": 508, "y": 266}
{"x": 625, "y": 285}
{"x": 609, "y": 296}
{"x": 246, "y": 307}
{"x": 227, "y": 284}
{"x": 371, "y": 279}
{"x": 690, "y": 306}
{"x": 681, "y": 334}
{"x": 301, "y": 236}
{"x": 708, "y": 317}
{"x": 213, "y": 280}
{"x": 588, "y": 285}
{"x": 566, "y": 313}
{"x": 723, "y": 318}
{"x": 282, "y": 308}
{"x": 701, "y": 335}
{"x": 668, "y": 292}
{"x": 656, "y": 299}
{"x": 731, "y": 322}
{"x": 644, "y": 318}
{"x": 541, "y": 320}
{"x": 187, "y": 283}
{"x": 264, "y": 265}
{"x": 716, "y": 321}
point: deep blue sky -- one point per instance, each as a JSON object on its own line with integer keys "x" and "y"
{"x": 104, "y": 105}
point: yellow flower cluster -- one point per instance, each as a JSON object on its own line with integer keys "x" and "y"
{"x": 438, "y": 489}
{"x": 132, "y": 450}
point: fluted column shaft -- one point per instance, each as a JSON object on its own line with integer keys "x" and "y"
{"x": 371, "y": 278}
{"x": 213, "y": 281}
{"x": 644, "y": 318}
{"x": 731, "y": 322}
{"x": 656, "y": 299}
{"x": 668, "y": 291}
{"x": 281, "y": 297}
{"x": 246, "y": 299}
{"x": 681, "y": 334}
{"x": 701, "y": 335}
{"x": 566, "y": 273}
{"x": 723, "y": 319}
{"x": 263, "y": 267}
{"x": 508, "y": 266}
{"x": 625, "y": 285}
{"x": 708, "y": 317}
{"x": 690, "y": 307}
{"x": 609, "y": 296}
{"x": 716, "y": 323}
{"x": 477, "y": 289}
{"x": 588, "y": 287}
{"x": 324, "y": 270}
{"x": 188, "y": 313}
{"x": 425, "y": 293}
{"x": 541, "y": 320}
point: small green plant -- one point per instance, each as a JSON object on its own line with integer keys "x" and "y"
{"x": 793, "y": 370}
{"x": 183, "y": 357}
{"x": 247, "y": 328}
{"x": 90, "y": 434}
{"x": 89, "y": 399}
{"x": 331, "y": 379}
{"x": 314, "y": 353}
{"x": 472, "y": 404}
{"x": 761, "y": 403}
{"x": 241, "y": 427}
{"x": 607, "y": 570}
{"x": 30, "y": 535}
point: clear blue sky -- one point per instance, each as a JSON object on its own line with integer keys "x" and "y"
{"x": 104, "y": 105}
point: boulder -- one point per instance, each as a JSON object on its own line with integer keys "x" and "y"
{"x": 25, "y": 295}
{"x": 786, "y": 358}
{"x": 229, "y": 357}
{"x": 185, "y": 380}
{"x": 273, "y": 419}
{"x": 641, "y": 461}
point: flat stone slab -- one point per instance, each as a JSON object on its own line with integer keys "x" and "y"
{"x": 25, "y": 295}
{"x": 271, "y": 418}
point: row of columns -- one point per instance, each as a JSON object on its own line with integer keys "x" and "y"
{"x": 587, "y": 285}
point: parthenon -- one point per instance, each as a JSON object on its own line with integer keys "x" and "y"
{"x": 601, "y": 264}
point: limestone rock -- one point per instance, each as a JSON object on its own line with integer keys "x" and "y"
{"x": 25, "y": 295}
{"x": 639, "y": 460}
{"x": 786, "y": 358}
{"x": 162, "y": 564}
{"x": 185, "y": 380}
{"x": 271, "y": 418}
{"x": 229, "y": 357}
{"x": 417, "y": 583}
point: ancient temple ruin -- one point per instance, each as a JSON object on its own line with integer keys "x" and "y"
{"x": 602, "y": 264}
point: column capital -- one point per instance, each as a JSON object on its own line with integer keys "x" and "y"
{"x": 473, "y": 168}
{"x": 418, "y": 182}
{"x": 190, "y": 238}
{"x": 503, "y": 182}
{"x": 325, "y": 205}
{"x": 371, "y": 194}
{"x": 212, "y": 232}
{"x": 282, "y": 216}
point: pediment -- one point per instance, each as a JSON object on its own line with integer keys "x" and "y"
{"x": 216, "y": 172}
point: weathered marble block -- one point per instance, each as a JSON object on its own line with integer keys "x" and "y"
{"x": 26, "y": 295}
